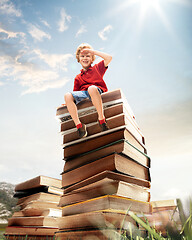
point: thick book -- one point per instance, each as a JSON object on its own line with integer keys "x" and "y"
{"x": 111, "y": 111}
{"x": 121, "y": 146}
{"x": 39, "y": 204}
{"x": 32, "y": 212}
{"x": 38, "y": 182}
{"x": 163, "y": 205}
{"x": 113, "y": 162}
{"x": 89, "y": 234}
{"x": 94, "y": 128}
{"x": 49, "y": 212}
{"x": 30, "y": 231}
{"x": 97, "y": 220}
{"x": 108, "y": 202}
{"x": 46, "y": 189}
{"x": 106, "y": 187}
{"x": 33, "y": 221}
{"x": 100, "y": 139}
{"x": 107, "y": 176}
{"x": 41, "y": 197}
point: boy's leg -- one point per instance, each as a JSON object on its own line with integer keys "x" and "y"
{"x": 97, "y": 101}
{"x": 72, "y": 108}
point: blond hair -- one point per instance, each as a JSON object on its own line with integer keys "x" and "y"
{"x": 82, "y": 46}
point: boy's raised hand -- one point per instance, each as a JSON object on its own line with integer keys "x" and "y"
{"x": 87, "y": 50}
{"x": 107, "y": 58}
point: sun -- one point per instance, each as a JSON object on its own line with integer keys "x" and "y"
{"x": 147, "y": 5}
{"x": 145, "y": 11}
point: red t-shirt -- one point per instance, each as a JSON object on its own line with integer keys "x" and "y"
{"x": 92, "y": 76}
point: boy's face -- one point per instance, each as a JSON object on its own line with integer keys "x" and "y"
{"x": 85, "y": 60}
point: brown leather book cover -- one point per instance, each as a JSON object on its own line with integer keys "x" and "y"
{"x": 33, "y": 221}
{"x": 113, "y": 162}
{"x": 122, "y": 147}
{"x": 107, "y": 175}
{"x": 39, "y": 196}
{"x": 101, "y": 139}
{"x": 115, "y": 203}
{"x": 13, "y": 231}
{"x": 106, "y": 187}
{"x": 38, "y": 182}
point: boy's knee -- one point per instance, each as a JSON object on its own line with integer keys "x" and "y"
{"x": 92, "y": 89}
{"x": 68, "y": 97}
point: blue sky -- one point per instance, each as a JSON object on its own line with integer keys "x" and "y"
{"x": 151, "y": 45}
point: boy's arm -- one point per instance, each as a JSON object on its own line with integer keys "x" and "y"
{"x": 106, "y": 57}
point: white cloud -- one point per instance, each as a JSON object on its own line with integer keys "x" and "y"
{"x": 33, "y": 70}
{"x": 37, "y": 33}
{"x": 63, "y": 21}
{"x": 9, "y": 34}
{"x": 81, "y": 30}
{"x": 58, "y": 61}
{"x": 103, "y": 32}
{"x": 29, "y": 75}
{"x": 45, "y": 23}
{"x": 7, "y": 7}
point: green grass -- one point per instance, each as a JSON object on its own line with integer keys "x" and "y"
{"x": 2, "y": 230}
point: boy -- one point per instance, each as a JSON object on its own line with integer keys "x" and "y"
{"x": 89, "y": 83}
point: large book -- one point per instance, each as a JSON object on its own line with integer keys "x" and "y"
{"x": 30, "y": 231}
{"x": 100, "y": 139}
{"x": 110, "y": 113}
{"x": 113, "y": 162}
{"x": 106, "y": 187}
{"x": 89, "y": 234}
{"x": 38, "y": 182}
{"x": 33, "y": 221}
{"x": 108, "y": 202}
{"x": 162, "y": 205}
{"x": 107, "y": 176}
{"x": 39, "y": 204}
{"x": 32, "y": 212}
{"x": 97, "y": 220}
{"x": 120, "y": 146}
{"x": 49, "y": 212}
{"x": 39, "y": 196}
{"x": 46, "y": 189}
{"x": 94, "y": 128}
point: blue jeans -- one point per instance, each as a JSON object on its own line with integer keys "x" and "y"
{"x": 81, "y": 95}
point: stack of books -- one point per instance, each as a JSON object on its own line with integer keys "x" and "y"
{"x": 165, "y": 216}
{"x": 38, "y": 200}
{"x": 105, "y": 174}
